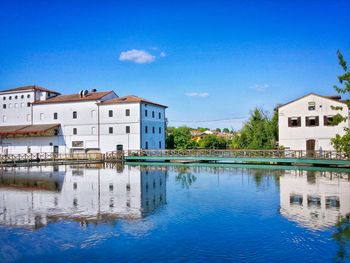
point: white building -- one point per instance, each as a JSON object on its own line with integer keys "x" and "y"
{"x": 314, "y": 199}
{"x": 304, "y": 123}
{"x": 35, "y": 119}
{"x": 35, "y": 196}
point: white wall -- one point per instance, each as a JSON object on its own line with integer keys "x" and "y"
{"x": 119, "y": 121}
{"x": 295, "y": 137}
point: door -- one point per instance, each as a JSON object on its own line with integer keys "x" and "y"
{"x": 55, "y": 149}
{"x": 120, "y": 147}
{"x": 310, "y": 148}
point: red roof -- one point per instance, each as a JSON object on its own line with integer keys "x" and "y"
{"x": 130, "y": 99}
{"x": 31, "y": 87}
{"x": 74, "y": 97}
{"x": 27, "y": 129}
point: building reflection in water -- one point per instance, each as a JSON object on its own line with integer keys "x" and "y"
{"x": 33, "y": 197}
{"x": 314, "y": 199}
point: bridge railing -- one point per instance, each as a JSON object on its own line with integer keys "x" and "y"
{"x": 48, "y": 156}
{"x": 300, "y": 154}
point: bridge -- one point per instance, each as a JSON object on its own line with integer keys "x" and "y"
{"x": 323, "y": 158}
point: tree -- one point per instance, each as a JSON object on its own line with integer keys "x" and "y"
{"x": 342, "y": 143}
{"x": 213, "y": 142}
{"x": 218, "y": 130}
{"x": 226, "y": 130}
{"x": 179, "y": 138}
{"x": 260, "y": 132}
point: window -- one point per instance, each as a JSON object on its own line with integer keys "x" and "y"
{"x": 16, "y": 97}
{"x": 28, "y": 96}
{"x": 110, "y": 130}
{"x": 146, "y": 129}
{"x": 56, "y": 132}
{"x": 4, "y": 98}
{"x": 294, "y": 122}
{"x": 28, "y": 149}
{"x": 160, "y": 130}
{"x": 75, "y": 186}
{"x": 93, "y": 130}
{"x": 311, "y": 105}
{"x": 146, "y": 145}
{"x": 110, "y": 113}
{"x": 41, "y": 116}
{"x": 4, "y": 118}
{"x": 159, "y": 115}
{"x": 160, "y": 144}
{"x": 4, "y": 106}
{"x": 16, "y": 105}
{"x": 22, "y": 96}
{"x": 327, "y": 120}
{"x": 152, "y": 114}
{"x": 78, "y": 144}
{"x": 127, "y": 129}
{"x": 311, "y": 121}
{"x": 75, "y": 131}
{"x": 111, "y": 187}
{"x": 28, "y": 104}
{"x": 146, "y": 113}
{"x": 55, "y": 116}
{"x": 127, "y": 112}
{"x": 10, "y": 98}
{"x": 75, "y": 114}
{"x": 153, "y": 130}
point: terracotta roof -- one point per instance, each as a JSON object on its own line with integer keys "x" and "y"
{"x": 74, "y": 97}
{"x": 334, "y": 98}
{"x": 31, "y": 87}
{"x": 130, "y": 99}
{"x": 27, "y": 129}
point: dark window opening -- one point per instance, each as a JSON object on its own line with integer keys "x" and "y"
{"x": 152, "y": 114}
{"x": 75, "y": 114}
{"x": 127, "y": 129}
{"x": 4, "y": 106}
{"x": 294, "y": 122}
{"x": 55, "y": 116}
{"x": 75, "y": 131}
{"x": 127, "y": 112}
{"x": 146, "y": 113}
{"x": 110, "y": 130}
{"x": 311, "y": 121}
{"x": 159, "y": 115}
{"x": 146, "y": 129}
{"x": 160, "y": 130}
{"x": 153, "y": 130}
{"x": 110, "y": 113}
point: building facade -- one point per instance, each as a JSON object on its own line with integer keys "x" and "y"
{"x": 304, "y": 124}
{"x": 35, "y": 119}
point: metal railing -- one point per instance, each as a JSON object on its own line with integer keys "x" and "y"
{"x": 299, "y": 154}
{"x": 33, "y": 157}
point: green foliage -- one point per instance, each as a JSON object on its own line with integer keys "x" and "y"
{"x": 201, "y": 129}
{"x": 226, "y": 130}
{"x": 218, "y": 130}
{"x": 342, "y": 143}
{"x": 180, "y": 138}
{"x": 212, "y": 141}
{"x": 260, "y": 132}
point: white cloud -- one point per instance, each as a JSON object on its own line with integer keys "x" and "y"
{"x": 197, "y": 94}
{"x": 137, "y": 56}
{"x": 260, "y": 87}
{"x": 162, "y": 54}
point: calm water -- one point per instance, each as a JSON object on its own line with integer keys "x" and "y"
{"x": 173, "y": 214}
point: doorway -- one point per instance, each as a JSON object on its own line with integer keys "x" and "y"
{"x": 310, "y": 147}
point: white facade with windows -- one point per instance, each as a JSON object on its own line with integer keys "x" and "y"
{"x": 304, "y": 123}
{"x": 83, "y": 122}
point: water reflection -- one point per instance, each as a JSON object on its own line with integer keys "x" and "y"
{"x": 33, "y": 197}
{"x": 314, "y": 199}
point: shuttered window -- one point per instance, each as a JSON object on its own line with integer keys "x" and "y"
{"x": 294, "y": 122}
{"x": 311, "y": 121}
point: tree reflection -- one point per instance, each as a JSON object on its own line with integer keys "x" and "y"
{"x": 342, "y": 237}
{"x": 185, "y": 177}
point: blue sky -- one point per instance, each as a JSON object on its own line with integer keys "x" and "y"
{"x": 206, "y": 60}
